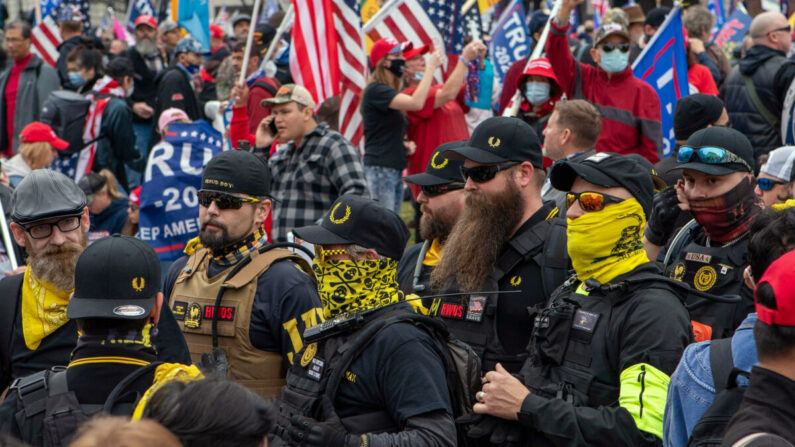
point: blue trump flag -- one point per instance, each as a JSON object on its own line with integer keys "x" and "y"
{"x": 169, "y": 215}
{"x": 194, "y": 16}
{"x": 663, "y": 65}
{"x": 138, "y": 8}
{"x": 732, "y": 32}
{"x": 716, "y": 8}
{"x": 509, "y": 43}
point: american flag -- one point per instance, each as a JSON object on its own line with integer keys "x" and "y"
{"x": 467, "y": 24}
{"x": 600, "y": 7}
{"x": 328, "y": 57}
{"x": 45, "y": 36}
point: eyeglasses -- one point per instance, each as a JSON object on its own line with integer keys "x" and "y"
{"x": 710, "y": 155}
{"x": 222, "y": 200}
{"x": 783, "y": 28}
{"x": 591, "y": 201}
{"x": 44, "y": 230}
{"x": 482, "y": 174}
{"x": 766, "y": 184}
{"x": 610, "y": 46}
{"x": 437, "y": 190}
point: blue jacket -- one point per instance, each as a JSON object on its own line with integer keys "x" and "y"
{"x": 692, "y": 388}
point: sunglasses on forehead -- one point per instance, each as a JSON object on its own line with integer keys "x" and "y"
{"x": 222, "y": 200}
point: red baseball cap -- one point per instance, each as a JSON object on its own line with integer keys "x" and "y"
{"x": 414, "y": 52}
{"x": 779, "y": 277}
{"x": 216, "y": 32}
{"x": 36, "y": 132}
{"x": 146, "y": 19}
{"x": 385, "y": 46}
{"x": 135, "y": 196}
{"x": 540, "y": 67}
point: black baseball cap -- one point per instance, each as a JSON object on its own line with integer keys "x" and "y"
{"x": 440, "y": 170}
{"x": 361, "y": 221}
{"x": 500, "y": 139}
{"x": 724, "y": 138}
{"x": 609, "y": 170}
{"x": 116, "y": 277}
{"x": 239, "y": 172}
{"x": 695, "y": 112}
{"x": 656, "y": 16}
{"x": 44, "y": 194}
{"x": 91, "y": 184}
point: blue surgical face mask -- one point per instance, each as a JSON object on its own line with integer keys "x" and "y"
{"x": 75, "y": 78}
{"x": 614, "y": 61}
{"x": 193, "y": 69}
{"x": 536, "y": 93}
{"x": 418, "y": 76}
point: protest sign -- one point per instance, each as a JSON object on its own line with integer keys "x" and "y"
{"x": 510, "y": 42}
{"x": 731, "y": 34}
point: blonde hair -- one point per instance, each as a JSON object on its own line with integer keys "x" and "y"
{"x": 35, "y": 154}
{"x": 121, "y": 432}
{"x": 111, "y": 185}
{"x": 382, "y": 75}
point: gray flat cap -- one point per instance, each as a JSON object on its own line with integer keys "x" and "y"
{"x": 44, "y": 194}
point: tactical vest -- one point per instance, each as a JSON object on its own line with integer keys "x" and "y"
{"x": 473, "y": 319}
{"x": 717, "y": 271}
{"x": 192, "y": 302}
{"x": 572, "y": 356}
{"x": 313, "y": 381}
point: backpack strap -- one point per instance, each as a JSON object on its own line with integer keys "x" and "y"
{"x": 769, "y": 116}
{"x": 678, "y": 242}
{"x": 9, "y": 304}
{"x": 270, "y": 87}
{"x": 577, "y": 93}
{"x": 110, "y": 402}
{"x": 555, "y": 261}
{"x": 721, "y": 362}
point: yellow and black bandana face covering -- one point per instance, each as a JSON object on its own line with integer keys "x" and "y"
{"x": 355, "y": 286}
{"x": 608, "y": 243}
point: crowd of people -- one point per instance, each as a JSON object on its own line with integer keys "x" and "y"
{"x": 566, "y": 285}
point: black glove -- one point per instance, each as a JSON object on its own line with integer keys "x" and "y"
{"x": 308, "y": 432}
{"x": 497, "y": 431}
{"x": 665, "y": 211}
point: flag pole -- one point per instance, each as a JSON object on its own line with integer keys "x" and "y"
{"x": 287, "y": 22}
{"x": 380, "y": 15}
{"x": 467, "y": 6}
{"x": 7, "y": 239}
{"x": 538, "y": 50}
{"x": 249, "y": 42}
{"x": 38, "y": 12}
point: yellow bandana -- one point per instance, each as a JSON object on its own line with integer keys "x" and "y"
{"x": 355, "y": 286}
{"x": 608, "y": 243}
{"x": 782, "y": 206}
{"x": 434, "y": 254}
{"x": 43, "y": 309}
{"x": 163, "y": 374}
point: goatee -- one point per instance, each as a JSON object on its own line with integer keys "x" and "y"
{"x": 477, "y": 238}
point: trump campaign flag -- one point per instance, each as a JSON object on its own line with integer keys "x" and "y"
{"x": 732, "y": 33}
{"x": 509, "y": 42}
{"x": 138, "y": 8}
{"x": 716, "y": 8}
{"x": 663, "y": 65}
{"x": 169, "y": 213}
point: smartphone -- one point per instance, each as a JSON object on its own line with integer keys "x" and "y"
{"x": 272, "y": 126}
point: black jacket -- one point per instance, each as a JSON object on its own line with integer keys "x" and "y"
{"x": 772, "y": 74}
{"x": 118, "y": 151}
{"x": 145, "y": 86}
{"x": 174, "y": 89}
{"x": 766, "y": 408}
{"x": 63, "y": 50}
{"x": 405, "y": 271}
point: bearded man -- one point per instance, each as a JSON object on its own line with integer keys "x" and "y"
{"x": 506, "y": 240}
{"x": 265, "y": 297}
{"x": 50, "y": 221}
{"x": 441, "y": 201}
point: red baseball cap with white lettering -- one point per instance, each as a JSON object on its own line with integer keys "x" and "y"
{"x": 387, "y": 45}
{"x": 539, "y": 66}
{"x": 36, "y": 131}
{"x": 779, "y": 277}
{"x": 146, "y": 19}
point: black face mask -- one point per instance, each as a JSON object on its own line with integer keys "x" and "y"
{"x": 397, "y": 67}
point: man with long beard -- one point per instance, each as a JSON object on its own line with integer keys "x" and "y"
{"x": 50, "y": 221}
{"x": 236, "y": 292}
{"x": 441, "y": 201}
{"x": 709, "y": 253}
{"x": 603, "y": 349}
{"x": 506, "y": 240}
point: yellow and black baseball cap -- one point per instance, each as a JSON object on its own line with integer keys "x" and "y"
{"x": 440, "y": 170}
{"x": 361, "y": 221}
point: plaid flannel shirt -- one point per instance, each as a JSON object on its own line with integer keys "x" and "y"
{"x": 307, "y": 179}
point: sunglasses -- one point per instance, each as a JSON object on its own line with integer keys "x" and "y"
{"x": 482, "y": 174}
{"x": 437, "y": 190}
{"x": 222, "y": 200}
{"x": 44, "y": 230}
{"x": 710, "y": 155}
{"x": 610, "y": 46}
{"x": 591, "y": 201}
{"x": 783, "y": 28}
{"x": 766, "y": 184}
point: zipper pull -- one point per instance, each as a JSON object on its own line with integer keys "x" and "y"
{"x": 642, "y": 380}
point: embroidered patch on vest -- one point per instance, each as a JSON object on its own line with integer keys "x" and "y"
{"x": 450, "y": 310}
{"x": 698, "y": 257}
{"x": 309, "y": 354}
{"x": 477, "y": 304}
{"x": 225, "y": 314}
{"x": 585, "y": 321}
{"x": 193, "y": 316}
{"x": 315, "y": 369}
{"x": 178, "y": 309}
{"x": 678, "y": 272}
{"x": 705, "y": 278}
